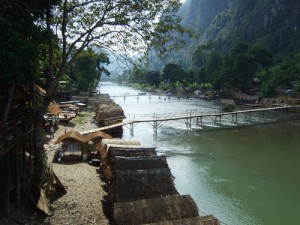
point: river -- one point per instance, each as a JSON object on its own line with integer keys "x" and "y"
{"x": 243, "y": 176}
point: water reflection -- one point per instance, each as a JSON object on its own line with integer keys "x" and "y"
{"x": 241, "y": 175}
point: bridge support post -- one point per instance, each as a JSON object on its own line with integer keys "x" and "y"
{"x": 155, "y": 128}
{"x": 248, "y": 117}
{"x": 188, "y": 123}
{"x": 197, "y": 122}
{"x": 131, "y": 129}
{"x": 234, "y": 119}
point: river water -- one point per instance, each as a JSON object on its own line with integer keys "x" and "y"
{"x": 243, "y": 176}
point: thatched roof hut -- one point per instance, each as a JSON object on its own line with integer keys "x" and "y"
{"x": 97, "y": 134}
{"x": 109, "y": 112}
{"x": 140, "y": 163}
{"x": 145, "y": 211}
{"x": 132, "y": 163}
{"x": 142, "y": 184}
{"x": 106, "y": 143}
{"x": 54, "y": 109}
{"x": 203, "y": 220}
{"x": 80, "y": 137}
{"x": 71, "y": 135}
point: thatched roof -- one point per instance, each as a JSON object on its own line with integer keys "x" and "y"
{"x": 106, "y": 143}
{"x": 145, "y": 211}
{"x": 142, "y": 184}
{"x": 80, "y": 137}
{"x": 71, "y": 135}
{"x": 97, "y": 134}
{"x": 209, "y": 220}
{"x": 140, "y": 163}
{"x": 132, "y": 163}
{"x": 203, "y": 220}
{"x": 130, "y": 151}
{"x": 109, "y": 112}
{"x": 54, "y": 108}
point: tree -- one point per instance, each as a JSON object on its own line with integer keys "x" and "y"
{"x": 153, "y": 78}
{"x": 200, "y": 55}
{"x": 244, "y": 62}
{"x": 88, "y": 68}
{"x": 74, "y": 25}
{"x": 167, "y": 73}
{"x": 22, "y": 50}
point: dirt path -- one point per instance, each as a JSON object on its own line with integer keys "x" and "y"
{"x": 82, "y": 204}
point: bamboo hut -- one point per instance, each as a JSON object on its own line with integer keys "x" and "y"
{"x": 97, "y": 137}
{"x": 140, "y": 163}
{"x": 73, "y": 146}
{"x": 117, "y": 151}
{"x": 74, "y": 142}
{"x": 106, "y": 143}
{"x": 71, "y": 135}
{"x": 131, "y": 185}
{"x": 203, "y": 220}
{"x": 153, "y": 210}
{"x": 110, "y": 114}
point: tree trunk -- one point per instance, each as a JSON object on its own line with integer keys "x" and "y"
{"x": 8, "y": 103}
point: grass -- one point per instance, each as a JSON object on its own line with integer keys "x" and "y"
{"x": 81, "y": 118}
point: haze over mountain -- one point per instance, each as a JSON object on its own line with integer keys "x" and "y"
{"x": 223, "y": 23}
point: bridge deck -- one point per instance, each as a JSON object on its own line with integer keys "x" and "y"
{"x": 189, "y": 116}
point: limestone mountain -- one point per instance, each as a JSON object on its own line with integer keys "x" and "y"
{"x": 223, "y": 23}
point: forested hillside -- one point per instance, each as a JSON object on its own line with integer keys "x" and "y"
{"x": 273, "y": 23}
{"x": 235, "y": 43}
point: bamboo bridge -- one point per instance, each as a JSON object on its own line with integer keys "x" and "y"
{"x": 199, "y": 120}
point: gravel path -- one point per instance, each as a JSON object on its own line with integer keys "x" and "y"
{"x": 83, "y": 202}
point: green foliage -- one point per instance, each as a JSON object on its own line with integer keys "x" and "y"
{"x": 21, "y": 40}
{"x": 228, "y": 108}
{"x": 83, "y": 85}
{"x": 173, "y": 72}
{"x": 269, "y": 88}
{"x": 88, "y": 67}
{"x": 153, "y": 78}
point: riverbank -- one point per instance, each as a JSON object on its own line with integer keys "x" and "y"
{"x": 83, "y": 202}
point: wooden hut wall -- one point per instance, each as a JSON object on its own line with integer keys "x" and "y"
{"x": 155, "y": 210}
{"x": 140, "y": 163}
{"x": 139, "y": 184}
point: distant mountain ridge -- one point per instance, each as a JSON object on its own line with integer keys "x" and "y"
{"x": 274, "y": 23}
